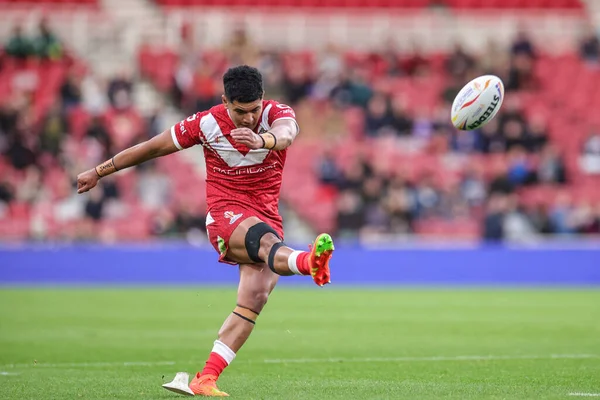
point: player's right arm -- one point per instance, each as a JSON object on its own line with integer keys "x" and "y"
{"x": 180, "y": 136}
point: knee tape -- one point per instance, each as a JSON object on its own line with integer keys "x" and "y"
{"x": 253, "y": 236}
{"x": 271, "y": 262}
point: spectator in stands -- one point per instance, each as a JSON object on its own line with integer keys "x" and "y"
{"x": 163, "y": 224}
{"x": 204, "y": 89}
{"x": 520, "y": 170}
{"x": 20, "y": 151}
{"x": 472, "y": 186}
{"x": 120, "y": 89}
{"x": 594, "y": 227}
{"x": 415, "y": 63}
{"x": 9, "y": 117}
{"x": 511, "y": 111}
{"x": 399, "y": 204}
{"x": 271, "y": 68}
{"x": 590, "y": 157}
{"x": 389, "y": 58}
{"x": 297, "y": 83}
{"x": 183, "y": 83}
{"x": 47, "y": 44}
{"x": 521, "y": 74}
{"x": 464, "y": 141}
{"x": 377, "y": 117}
{"x": 493, "y": 222}
{"x": 586, "y": 220}
{"x": 94, "y": 205}
{"x": 460, "y": 63}
{"x": 490, "y": 139}
{"x": 7, "y": 195}
{"x": 31, "y": 186}
{"x": 190, "y": 222}
{"x": 160, "y": 118}
{"x": 561, "y": 215}
{"x": 351, "y": 214}
{"x": 93, "y": 95}
{"x": 540, "y": 219}
{"x": 522, "y": 44}
{"x": 452, "y": 204}
{"x": 514, "y": 134}
{"x": 551, "y": 167}
{"x": 422, "y": 125}
{"x": 454, "y": 86}
{"x": 330, "y": 69}
{"x": 54, "y": 130}
{"x": 516, "y": 225}
{"x": 523, "y": 54}
{"x": 67, "y": 205}
{"x": 494, "y": 59}
{"x": 19, "y": 45}
{"x": 353, "y": 89}
{"x": 354, "y": 176}
{"x": 123, "y": 121}
{"x": 328, "y": 171}
{"x": 97, "y": 131}
{"x": 400, "y": 121}
{"x": 154, "y": 187}
{"x": 70, "y": 91}
{"x": 428, "y": 196}
{"x": 589, "y": 48}
{"x": 500, "y": 183}
{"x": 240, "y": 49}
{"x": 372, "y": 189}
{"x": 537, "y": 135}
{"x": 376, "y": 220}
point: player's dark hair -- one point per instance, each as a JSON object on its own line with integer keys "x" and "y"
{"x": 243, "y": 84}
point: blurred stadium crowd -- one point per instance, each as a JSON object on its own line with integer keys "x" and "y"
{"x": 377, "y": 157}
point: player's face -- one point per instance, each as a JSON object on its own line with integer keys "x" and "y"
{"x": 244, "y": 115}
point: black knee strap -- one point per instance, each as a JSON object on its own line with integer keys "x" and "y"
{"x": 274, "y": 249}
{"x": 253, "y": 236}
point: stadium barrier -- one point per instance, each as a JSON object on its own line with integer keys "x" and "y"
{"x": 182, "y": 264}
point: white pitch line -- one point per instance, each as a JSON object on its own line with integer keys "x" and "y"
{"x": 91, "y": 364}
{"x": 585, "y": 394}
{"x": 435, "y": 358}
{"x": 4, "y": 373}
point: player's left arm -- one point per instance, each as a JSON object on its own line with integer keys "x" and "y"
{"x": 280, "y": 136}
{"x": 282, "y": 133}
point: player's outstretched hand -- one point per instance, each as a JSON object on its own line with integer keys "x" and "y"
{"x": 246, "y": 137}
{"x": 87, "y": 180}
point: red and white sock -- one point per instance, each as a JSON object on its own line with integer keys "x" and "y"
{"x": 220, "y": 357}
{"x": 298, "y": 262}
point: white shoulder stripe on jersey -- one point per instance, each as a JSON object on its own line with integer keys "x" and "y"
{"x": 210, "y": 128}
{"x": 174, "y": 137}
{"x": 265, "y": 115}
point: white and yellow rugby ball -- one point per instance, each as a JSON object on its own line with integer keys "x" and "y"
{"x": 477, "y": 102}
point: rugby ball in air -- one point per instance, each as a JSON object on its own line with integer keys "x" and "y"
{"x": 477, "y": 102}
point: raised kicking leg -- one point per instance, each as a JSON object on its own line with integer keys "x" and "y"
{"x": 254, "y": 241}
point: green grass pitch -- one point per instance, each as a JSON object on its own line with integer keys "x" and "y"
{"x": 309, "y": 343}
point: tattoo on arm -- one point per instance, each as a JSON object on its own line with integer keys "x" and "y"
{"x": 106, "y": 168}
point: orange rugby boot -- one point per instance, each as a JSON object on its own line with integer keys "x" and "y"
{"x": 206, "y": 385}
{"x": 318, "y": 260}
